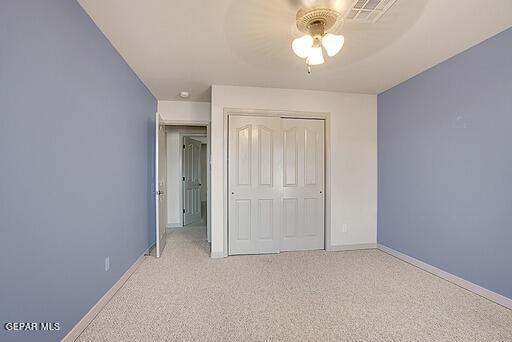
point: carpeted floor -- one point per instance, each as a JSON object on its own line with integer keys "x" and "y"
{"x": 300, "y": 296}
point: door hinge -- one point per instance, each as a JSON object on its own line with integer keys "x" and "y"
{"x": 183, "y": 178}
{"x": 183, "y": 146}
{"x": 183, "y": 211}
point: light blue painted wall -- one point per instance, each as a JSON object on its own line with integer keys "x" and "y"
{"x": 76, "y": 146}
{"x": 445, "y": 165}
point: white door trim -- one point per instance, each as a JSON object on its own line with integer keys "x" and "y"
{"x": 285, "y": 114}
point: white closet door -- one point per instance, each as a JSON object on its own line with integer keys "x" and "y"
{"x": 191, "y": 180}
{"x": 303, "y": 183}
{"x": 255, "y": 184}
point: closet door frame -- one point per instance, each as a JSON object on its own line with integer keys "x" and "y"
{"x": 327, "y": 169}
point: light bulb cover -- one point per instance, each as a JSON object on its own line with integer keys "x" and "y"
{"x": 332, "y": 43}
{"x": 316, "y": 56}
{"x": 302, "y": 46}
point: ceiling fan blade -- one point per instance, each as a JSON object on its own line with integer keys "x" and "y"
{"x": 295, "y": 3}
{"x": 338, "y": 27}
{"x": 303, "y": 3}
{"x": 339, "y": 5}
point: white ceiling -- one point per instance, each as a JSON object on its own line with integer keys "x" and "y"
{"x": 190, "y": 45}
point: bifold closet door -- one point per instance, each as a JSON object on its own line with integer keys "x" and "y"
{"x": 303, "y": 183}
{"x": 255, "y": 184}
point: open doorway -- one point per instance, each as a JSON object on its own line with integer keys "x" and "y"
{"x": 187, "y": 179}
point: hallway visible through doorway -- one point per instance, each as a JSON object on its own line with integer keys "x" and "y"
{"x": 187, "y": 176}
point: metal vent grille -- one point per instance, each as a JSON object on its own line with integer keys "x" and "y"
{"x": 368, "y": 11}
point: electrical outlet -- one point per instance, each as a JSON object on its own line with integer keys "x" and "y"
{"x": 344, "y": 228}
{"x": 107, "y": 264}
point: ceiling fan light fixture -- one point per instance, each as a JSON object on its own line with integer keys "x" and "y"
{"x": 316, "y": 56}
{"x": 302, "y": 46}
{"x": 316, "y": 24}
{"x": 332, "y": 43}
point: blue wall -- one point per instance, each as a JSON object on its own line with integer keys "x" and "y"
{"x": 445, "y": 165}
{"x": 76, "y": 146}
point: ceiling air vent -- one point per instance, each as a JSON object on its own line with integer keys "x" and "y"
{"x": 368, "y": 11}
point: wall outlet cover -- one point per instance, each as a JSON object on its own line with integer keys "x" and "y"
{"x": 107, "y": 264}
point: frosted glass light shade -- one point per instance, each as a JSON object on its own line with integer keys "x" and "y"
{"x": 332, "y": 43}
{"x": 316, "y": 56}
{"x": 302, "y": 46}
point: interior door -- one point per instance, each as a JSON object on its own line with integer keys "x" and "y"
{"x": 160, "y": 185}
{"x": 191, "y": 180}
{"x": 255, "y": 161}
{"x": 303, "y": 184}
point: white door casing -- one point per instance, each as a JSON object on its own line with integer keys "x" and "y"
{"x": 191, "y": 180}
{"x": 160, "y": 185}
{"x": 255, "y": 178}
{"x": 303, "y": 185}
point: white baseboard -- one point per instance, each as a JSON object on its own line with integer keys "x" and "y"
{"x": 173, "y": 225}
{"x": 216, "y": 255}
{"x": 481, "y": 291}
{"x": 95, "y": 310}
{"x": 353, "y": 247}
{"x": 339, "y": 248}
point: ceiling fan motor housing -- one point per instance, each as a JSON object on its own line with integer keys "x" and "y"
{"x": 317, "y": 21}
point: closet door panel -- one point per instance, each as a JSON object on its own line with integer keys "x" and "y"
{"x": 255, "y": 178}
{"x": 304, "y": 184}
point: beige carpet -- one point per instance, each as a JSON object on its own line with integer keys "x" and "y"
{"x": 300, "y": 296}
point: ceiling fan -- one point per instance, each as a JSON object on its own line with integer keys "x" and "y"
{"x": 321, "y": 20}
{"x": 262, "y": 33}
{"x": 316, "y": 24}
